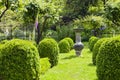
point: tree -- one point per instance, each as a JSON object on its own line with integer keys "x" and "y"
{"x": 112, "y": 11}
{"x": 43, "y": 14}
{"x": 7, "y": 4}
{"x": 94, "y": 23}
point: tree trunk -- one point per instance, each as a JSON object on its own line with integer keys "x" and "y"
{"x": 38, "y": 34}
{"x": 40, "y": 30}
{"x": 7, "y": 7}
{"x": 3, "y": 13}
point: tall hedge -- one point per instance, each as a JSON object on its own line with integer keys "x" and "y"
{"x": 64, "y": 46}
{"x": 70, "y": 41}
{"x": 48, "y": 47}
{"x": 96, "y": 49}
{"x": 92, "y": 42}
{"x": 108, "y": 60}
{"x": 19, "y": 61}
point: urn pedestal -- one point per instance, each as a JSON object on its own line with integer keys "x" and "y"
{"x": 78, "y": 46}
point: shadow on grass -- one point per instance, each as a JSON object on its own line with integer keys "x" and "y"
{"x": 70, "y": 57}
{"x": 90, "y": 64}
{"x": 89, "y": 51}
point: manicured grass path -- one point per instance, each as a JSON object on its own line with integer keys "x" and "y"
{"x": 71, "y": 67}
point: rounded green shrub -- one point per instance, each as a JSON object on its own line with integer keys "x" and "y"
{"x": 64, "y": 46}
{"x": 48, "y": 47}
{"x": 108, "y": 60}
{"x": 92, "y": 42}
{"x": 70, "y": 41}
{"x": 96, "y": 49}
{"x": 33, "y": 42}
{"x": 45, "y": 65}
{"x": 19, "y": 60}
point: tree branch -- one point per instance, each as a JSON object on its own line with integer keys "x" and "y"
{"x": 3, "y": 13}
{"x": 7, "y": 7}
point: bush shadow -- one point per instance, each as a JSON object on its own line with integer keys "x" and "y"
{"x": 91, "y": 64}
{"x": 70, "y": 57}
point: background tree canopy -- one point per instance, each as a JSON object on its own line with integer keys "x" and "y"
{"x": 53, "y": 17}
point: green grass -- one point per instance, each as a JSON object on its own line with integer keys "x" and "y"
{"x": 71, "y": 67}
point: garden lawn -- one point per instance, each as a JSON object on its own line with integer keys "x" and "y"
{"x": 71, "y": 67}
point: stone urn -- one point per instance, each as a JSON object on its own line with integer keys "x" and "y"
{"x": 78, "y": 46}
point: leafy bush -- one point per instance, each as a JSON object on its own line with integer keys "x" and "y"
{"x": 108, "y": 60}
{"x": 45, "y": 65}
{"x": 17, "y": 33}
{"x": 70, "y": 41}
{"x": 48, "y": 47}
{"x": 3, "y": 41}
{"x": 64, "y": 46}
{"x": 96, "y": 49}
{"x": 19, "y": 60}
{"x": 61, "y": 32}
{"x": 92, "y": 42}
{"x": 33, "y": 42}
{"x": 0, "y": 48}
{"x": 112, "y": 11}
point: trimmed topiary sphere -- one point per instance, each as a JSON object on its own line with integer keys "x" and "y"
{"x": 70, "y": 41}
{"x": 108, "y": 60}
{"x": 64, "y": 46}
{"x": 96, "y": 49}
{"x": 48, "y": 47}
{"x": 92, "y": 42}
{"x": 19, "y": 61}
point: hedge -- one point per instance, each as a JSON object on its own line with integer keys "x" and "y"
{"x": 96, "y": 49}
{"x": 48, "y": 47}
{"x": 92, "y": 42}
{"x": 64, "y": 46}
{"x": 70, "y": 41}
{"x": 19, "y": 60}
{"x": 108, "y": 60}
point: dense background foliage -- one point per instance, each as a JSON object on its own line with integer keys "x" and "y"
{"x": 57, "y": 19}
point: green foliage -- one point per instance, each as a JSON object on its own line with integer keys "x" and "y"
{"x": 96, "y": 10}
{"x": 48, "y": 47}
{"x": 3, "y": 41}
{"x": 32, "y": 42}
{"x": 1, "y": 45}
{"x": 9, "y": 3}
{"x": 61, "y": 32}
{"x": 65, "y": 31}
{"x": 96, "y": 49}
{"x": 93, "y": 23}
{"x": 64, "y": 46}
{"x": 31, "y": 12}
{"x": 19, "y": 60}
{"x": 70, "y": 41}
{"x": 112, "y": 11}
{"x": 76, "y": 8}
{"x": 45, "y": 65}
{"x": 92, "y": 42}
{"x": 17, "y": 33}
{"x": 108, "y": 60}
